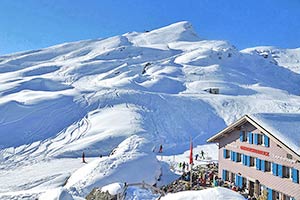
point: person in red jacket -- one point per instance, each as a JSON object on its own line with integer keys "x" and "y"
{"x": 160, "y": 149}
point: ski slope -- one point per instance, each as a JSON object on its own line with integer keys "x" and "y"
{"x": 128, "y": 93}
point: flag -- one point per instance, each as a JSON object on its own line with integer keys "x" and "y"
{"x": 191, "y": 152}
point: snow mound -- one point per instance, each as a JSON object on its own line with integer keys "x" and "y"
{"x": 218, "y": 193}
{"x": 121, "y": 166}
{"x": 56, "y": 194}
{"x": 113, "y": 189}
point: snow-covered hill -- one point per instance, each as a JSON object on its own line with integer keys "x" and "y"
{"x": 135, "y": 91}
{"x": 289, "y": 58}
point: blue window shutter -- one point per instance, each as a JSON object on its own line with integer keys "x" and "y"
{"x": 241, "y": 182}
{"x": 280, "y": 171}
{"x": 243, "y": 159}
{"x": 237, "y": 180}
{"x": 224, "y": 153}
{"x": 248, "y": 161}
{"x": 235, "y": 156}
{"x": 250, "y": 135}
{"x": 267, "y": 141}
{"x": 275, "y": 169}
{"x": 262, "y": 163}
{"x": 231, "y": 156}
{"x": 241, "y": 136}
{"x": 295, "y": 175}
{"x": 255, "y": 138}
{"x": 258, "y": 164}
{"x": 224, "y": 174}
{"x": 270, "y": 194}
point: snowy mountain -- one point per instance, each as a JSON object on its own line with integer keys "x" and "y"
{"x": 289, "y": 58}
{"x": 128, "y": 94}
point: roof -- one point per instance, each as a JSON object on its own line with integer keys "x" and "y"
{"x": 284, "y": 127}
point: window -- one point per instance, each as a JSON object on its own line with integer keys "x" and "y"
{"x": 285, "y": 172}
{"x": 243, "y": 136}
{"x": 267, "y": 166}
{"x": 252, "y": 161}
{"x": 258, "y": 138}
{"x": 289, "y": 156}
{"x": 238, "y": 181}
{"x": 226, "y": 153}
{"x": 225, "y": 175}
{"x": 232, "y": 177}
{"x": 238, "y": 157}
{"x": 246, "y": 160}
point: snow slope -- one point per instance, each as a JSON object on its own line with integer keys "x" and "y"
{"x": 147, "y": 88}
{"x": 289, "y": 58}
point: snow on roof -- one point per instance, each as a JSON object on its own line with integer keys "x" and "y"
{"x": 284, "y": 126}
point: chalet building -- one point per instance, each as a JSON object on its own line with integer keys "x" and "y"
{"x": 261, "y": 153}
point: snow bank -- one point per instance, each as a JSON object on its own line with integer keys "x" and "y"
{"x": 56, "y": 194}
{"x": 123, "y": 166}
{"x": 218, "y": 193}
{"x": 113, "y": 189}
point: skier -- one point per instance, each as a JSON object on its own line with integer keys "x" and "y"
{"x": 160, "y": 149}
{"x": 196, "y": 156}
{"x": 153, "y": 148}
{"x": 202, "y": 154}
{"x": 183, "y": 166}
{"x": 83, "y": 157}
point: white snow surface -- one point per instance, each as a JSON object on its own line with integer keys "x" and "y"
{"x": 137, "y": 88}
{"x": 113, "y": 189}
{"x": 217, "y": 193}
{"x": 289, "y": 58}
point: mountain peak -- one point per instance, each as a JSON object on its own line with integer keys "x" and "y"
{"x": 180, "y": 31}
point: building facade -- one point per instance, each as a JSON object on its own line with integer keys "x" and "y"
{"x": 258, "y": 160}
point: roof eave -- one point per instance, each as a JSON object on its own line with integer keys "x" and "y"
{"x": 229, "y": 128}
{"x": 244, "y": 119}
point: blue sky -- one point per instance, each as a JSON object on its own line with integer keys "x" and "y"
{"x": 34, "y": 24}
